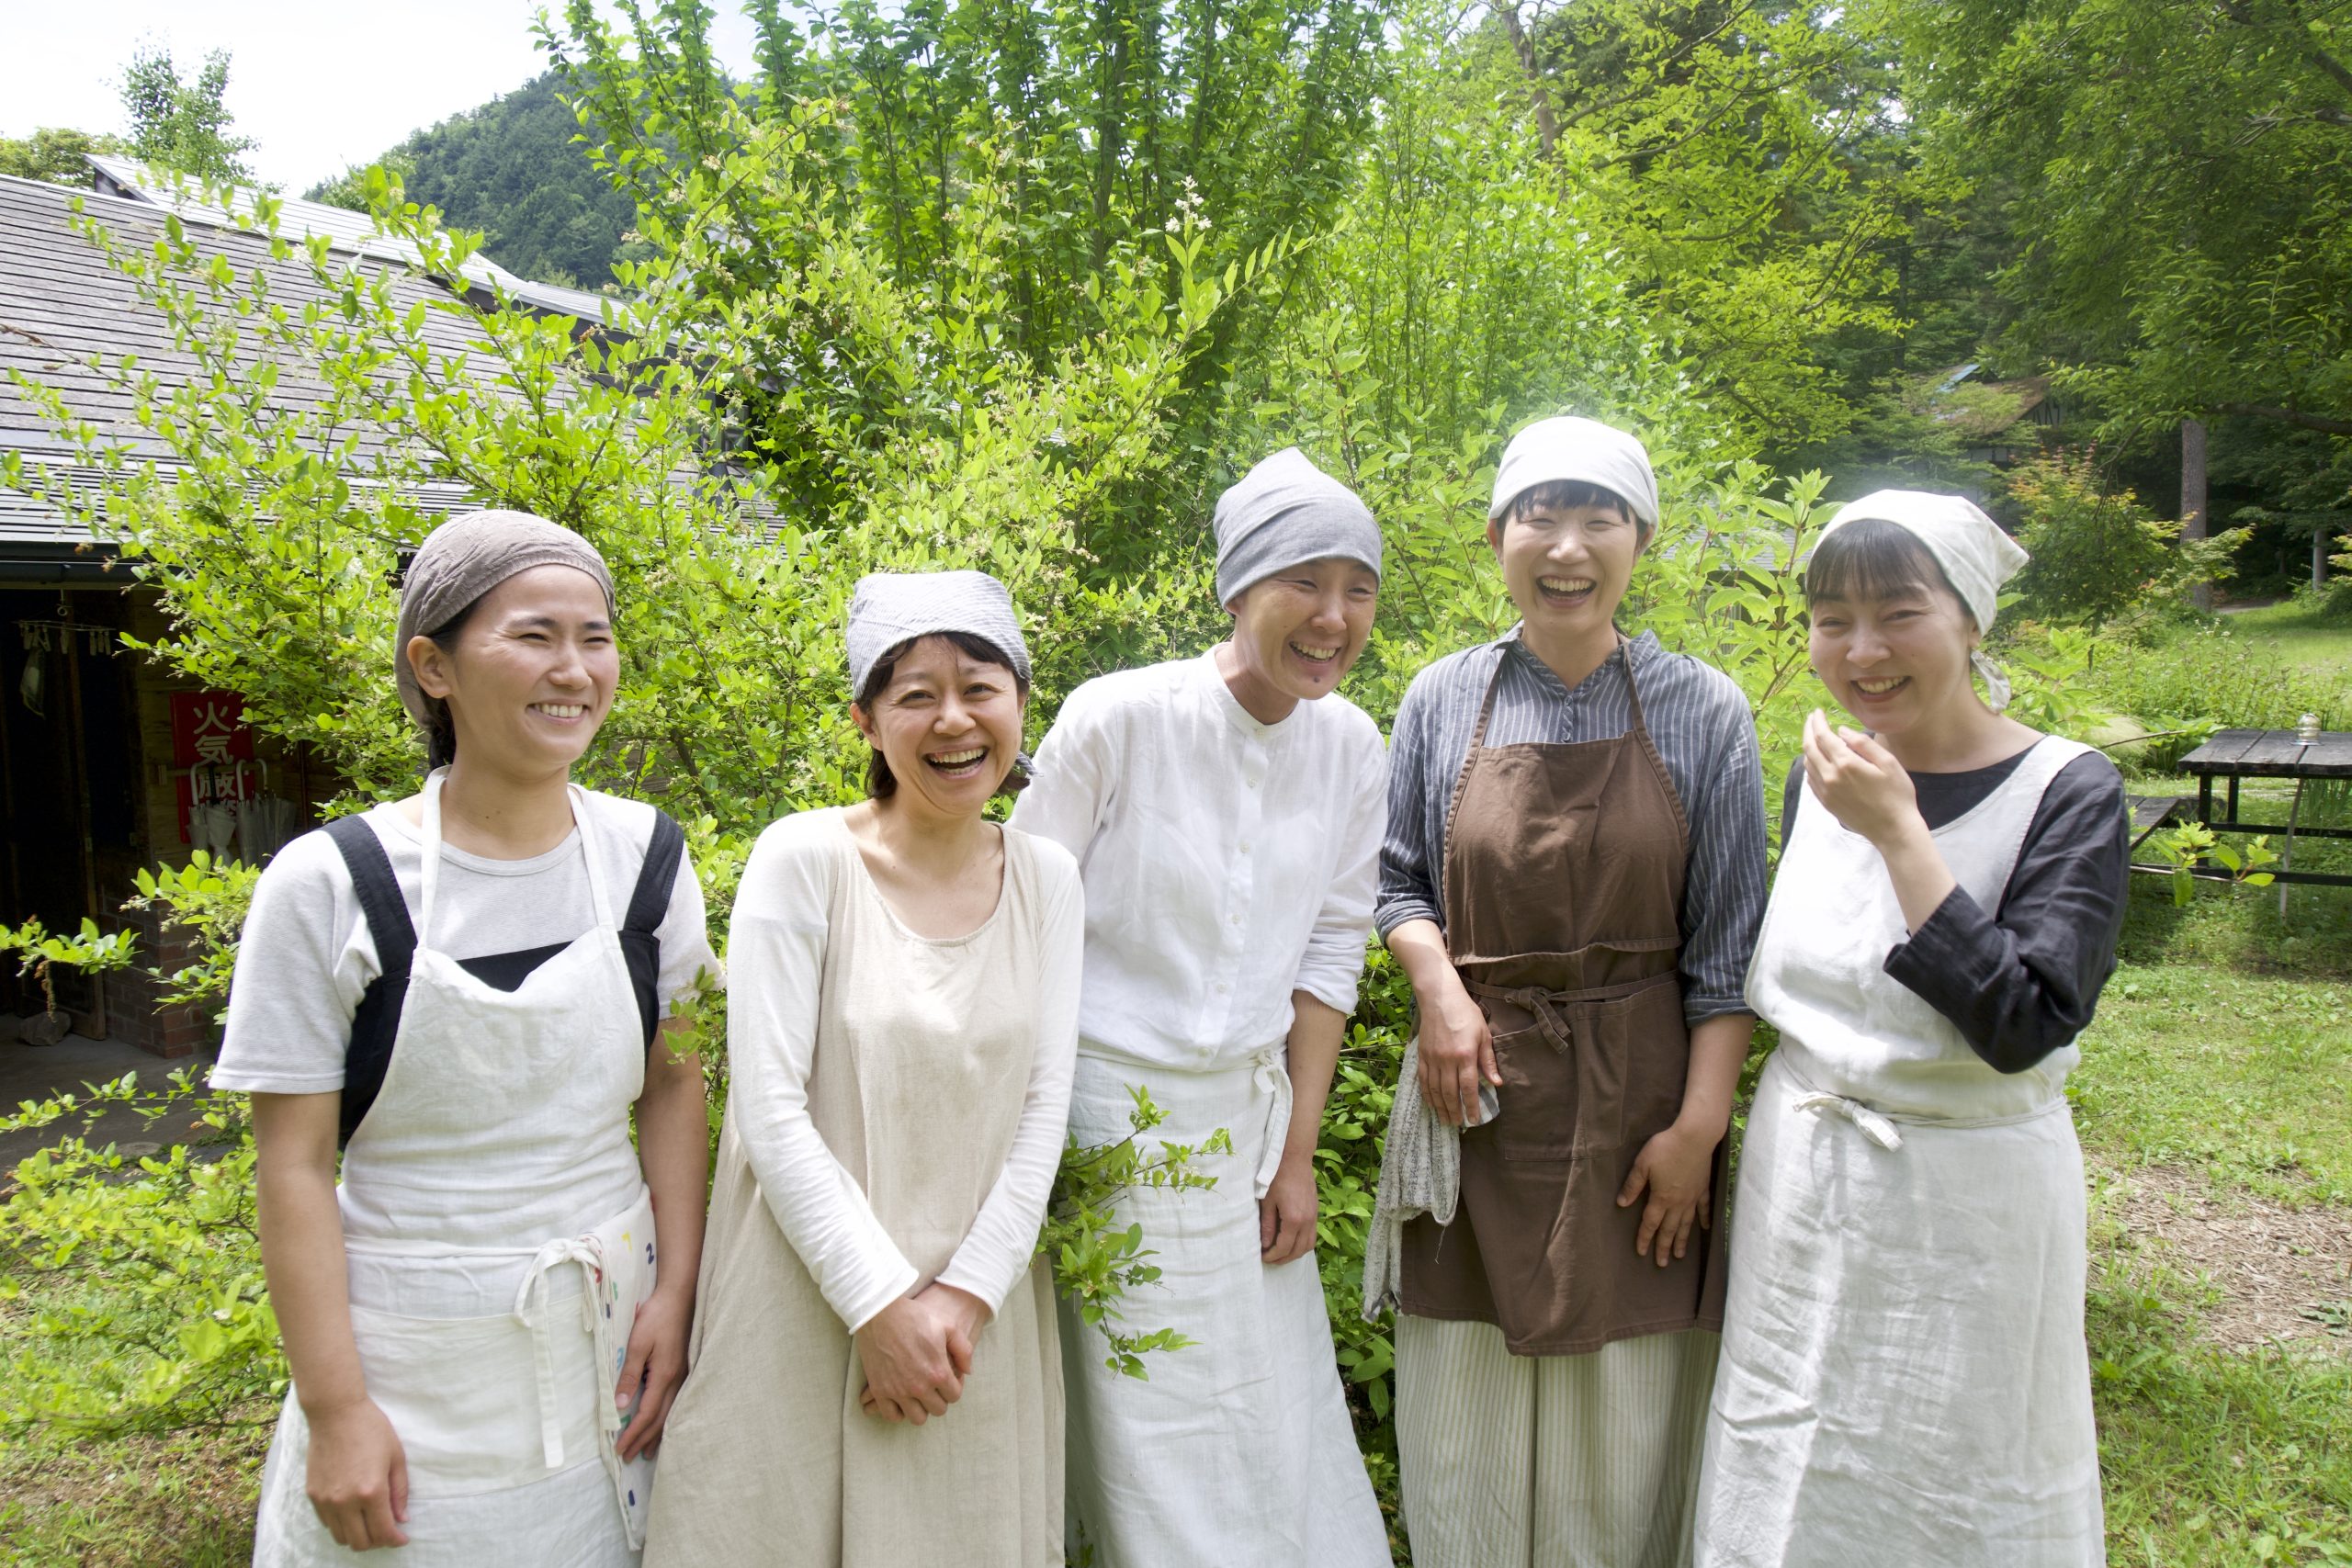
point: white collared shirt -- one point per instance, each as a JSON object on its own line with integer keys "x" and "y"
{"x": 1227, "y": 863}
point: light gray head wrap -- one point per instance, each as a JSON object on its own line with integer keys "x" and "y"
{"x": 1975, "y": 555}
{"x": 892, "y": 607}
{"x": 464, "y": 559}
{"x": 1582, "y": 450}
{"x": 1282, "y": 513}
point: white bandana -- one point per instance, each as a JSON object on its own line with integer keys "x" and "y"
{"x": 1970, "y": 547}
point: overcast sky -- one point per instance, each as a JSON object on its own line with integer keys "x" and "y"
{"x": 321, "y": 86}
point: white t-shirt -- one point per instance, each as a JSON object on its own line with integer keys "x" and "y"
{"x": 306, "y": 955}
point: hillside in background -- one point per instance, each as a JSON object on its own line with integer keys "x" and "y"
{"x": 511, "y": 170}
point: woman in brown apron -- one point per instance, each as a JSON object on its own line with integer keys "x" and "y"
{"x": 1573, "y": 880}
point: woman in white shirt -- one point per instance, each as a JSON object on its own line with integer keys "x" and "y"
{"x": 1227, "y": 811}
{"x": 449, "y": 983}
{"x": 876, "y": 1379}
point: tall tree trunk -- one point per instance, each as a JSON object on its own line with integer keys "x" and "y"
{"x": 2192, "y": 499}
{"x": 1547, "y": 125}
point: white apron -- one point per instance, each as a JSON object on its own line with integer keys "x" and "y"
{"x": 494, "y": 1356}
{"x": 1903, "y": 1375}
{"x": 1237, "y": 1452}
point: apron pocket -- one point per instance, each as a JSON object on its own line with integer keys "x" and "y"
{"x": 1540, "y": 1101}
{"x": 463, "y": 1396}
{"x": 1641, "y": 1051}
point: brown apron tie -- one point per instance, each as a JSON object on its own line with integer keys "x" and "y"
{"x": 1553, "y": 1024}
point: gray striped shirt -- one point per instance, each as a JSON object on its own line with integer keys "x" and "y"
{"x": 1703, "y": 729}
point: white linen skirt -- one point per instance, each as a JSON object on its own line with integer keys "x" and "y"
{"x": 1238, "y": 1450}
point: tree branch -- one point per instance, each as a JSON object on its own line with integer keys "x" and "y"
{"x": 2292, "y": 416}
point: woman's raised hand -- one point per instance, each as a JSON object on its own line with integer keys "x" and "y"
{"x": 917, "y": 1352}
{"x": 357, "y": 1475}
{"x": 1454, "y": 1049}
{"x": 1859, "y": 781}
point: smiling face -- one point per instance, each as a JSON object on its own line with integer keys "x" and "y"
{"x": 1567, "y": 565}
{"x": 529, "y": 676}
{"x": 1296, "y": 633}
{"x": 948, "y": 723}
{"x": 1897, "y": 659}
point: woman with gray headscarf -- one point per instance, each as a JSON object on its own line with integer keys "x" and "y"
{"x": 467, "y": 989}
{"x": 876, "y": 1378}
{"x": 1227, "y": 811}
{"x": 1903, "y": 1375}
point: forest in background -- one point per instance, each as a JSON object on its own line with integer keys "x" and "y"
{"x": 1834, "y": 210}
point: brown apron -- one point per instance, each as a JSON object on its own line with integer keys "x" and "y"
{"x": 1563, "y": 879}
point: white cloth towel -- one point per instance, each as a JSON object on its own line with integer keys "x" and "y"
{"x": 1420, "y": 1173}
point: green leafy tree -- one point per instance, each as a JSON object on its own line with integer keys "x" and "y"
{"x": 1752, "y": 169}
{"x": 2176, "y": 177}
{"x": 183, "y": 125}
{"x": 2097, "y": 553}
{"x": 514, "y": 170}
{"x": 55, "y": 155}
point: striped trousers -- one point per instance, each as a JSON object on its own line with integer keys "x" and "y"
{"x": 1549, "y": 1462}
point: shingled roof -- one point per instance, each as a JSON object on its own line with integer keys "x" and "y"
{"x": 65, "y": 310}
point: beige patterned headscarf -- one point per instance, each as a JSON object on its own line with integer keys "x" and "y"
{"x": 464, "y": 559}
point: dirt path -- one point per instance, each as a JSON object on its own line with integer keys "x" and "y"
{"x": 2281, "y": 1274}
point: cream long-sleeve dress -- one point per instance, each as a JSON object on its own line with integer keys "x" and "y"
{"x": 895, "y": 1117}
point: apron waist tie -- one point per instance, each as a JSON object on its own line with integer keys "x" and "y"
{"x": 1270, "y": 1075}
{"x": 531, "y": 1312}
{"x": 1884, "y": 1127}
{"x": 1874, "y": 1127}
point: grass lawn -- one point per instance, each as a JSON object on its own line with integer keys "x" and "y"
{"x": 2299, "y": 635}
{"x": 2215, "y": 1106}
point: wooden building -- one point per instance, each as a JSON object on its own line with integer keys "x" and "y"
{"x": 108, "y": 761}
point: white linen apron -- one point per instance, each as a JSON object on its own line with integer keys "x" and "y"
{"x": 1237, "y": 1452}
{"x": 495, "y": 1357}
{"x": 924, "y": 1052}
{"x": 1903, "y": 1375}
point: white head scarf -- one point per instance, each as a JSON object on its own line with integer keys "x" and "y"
{"x": 1975, "y": 555}
{"x": 892, "y": 607}
{"x": 1576, "y": 449}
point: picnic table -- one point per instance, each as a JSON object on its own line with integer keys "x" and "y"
{"x": 2234, "y": 755}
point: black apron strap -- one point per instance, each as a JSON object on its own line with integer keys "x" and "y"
{"x": 648, "y": 907}
{"x": 377, "y": 1017}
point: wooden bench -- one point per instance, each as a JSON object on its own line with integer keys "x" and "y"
{"x": 2152, "y": 813}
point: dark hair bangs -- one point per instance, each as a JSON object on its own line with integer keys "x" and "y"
{"x": 1871, "y": 558}
{"x": 880, "y": 781}
{"x": 1567, "y": 495}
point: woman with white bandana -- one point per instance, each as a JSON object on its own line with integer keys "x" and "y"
{"x": 875, "y": 1378}
{"x": 1572, "y": 881}
{"x": 469, "y": 989}
{"x": 1903, "y": 1375}
{"x": 1226, "y": 812}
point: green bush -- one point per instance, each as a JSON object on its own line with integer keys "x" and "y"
{"x": 2203, "y": 677}
{"x": 2097, "y": 553}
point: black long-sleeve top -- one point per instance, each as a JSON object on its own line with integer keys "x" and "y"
{"x": 2021, "y": 981}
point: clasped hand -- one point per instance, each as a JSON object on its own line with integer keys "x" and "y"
{"x": 917, "y": 1352}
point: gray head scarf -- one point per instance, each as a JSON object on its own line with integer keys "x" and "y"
{"x": 464, "y": 559}
{"x": 892, "y": 607}
{"x": 1284, "y": 512}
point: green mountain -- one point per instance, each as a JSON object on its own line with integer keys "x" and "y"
{"x": 511, "y": 170}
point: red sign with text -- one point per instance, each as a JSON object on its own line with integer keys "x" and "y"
{"x": 210, "y": 726}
